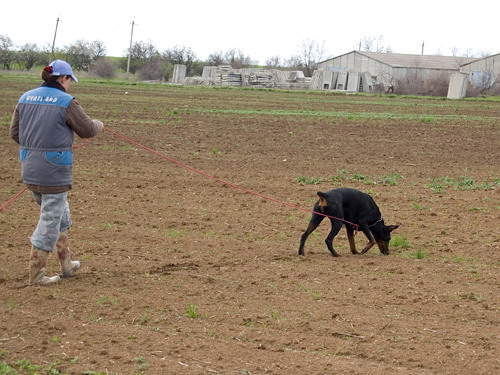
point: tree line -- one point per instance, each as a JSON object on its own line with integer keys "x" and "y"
{"x": 146, "y": 60}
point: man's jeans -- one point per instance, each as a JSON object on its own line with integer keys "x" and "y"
{"x": 54, "y": 219}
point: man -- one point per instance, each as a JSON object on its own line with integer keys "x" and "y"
{"x": 43, "y": 124}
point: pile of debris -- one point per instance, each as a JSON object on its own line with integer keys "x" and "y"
{"x": 225, "y": 75}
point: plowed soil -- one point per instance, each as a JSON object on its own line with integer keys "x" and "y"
{"x": 182, "y": 274}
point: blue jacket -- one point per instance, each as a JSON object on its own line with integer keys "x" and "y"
{"x": 45, "y": 139}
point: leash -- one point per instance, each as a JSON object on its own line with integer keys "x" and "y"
{"x": 12, "y": 199}
{"x": 200, "y": 172}
{"x": 224, "y": 182}
{"x": 16, "y": 196}
{"x": 375, "y": 223}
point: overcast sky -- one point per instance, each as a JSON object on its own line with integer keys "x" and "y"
{"x": 259, "y": 28}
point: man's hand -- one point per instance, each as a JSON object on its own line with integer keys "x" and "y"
{"x": 99, "y": 124}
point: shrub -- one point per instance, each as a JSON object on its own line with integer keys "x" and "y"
{"x": 103, "y": 67}
{"x": 152, "y": 70}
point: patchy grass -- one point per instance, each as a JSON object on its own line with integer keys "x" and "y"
{"x": 309, "y": 180}
{"x": 342, "y": 114}
{"x": 399, "y": 242}
{"x": 343, "y": 176}
{"x": 391, "y": 179}
{"x": 174, "y": 233}
{"x": 26, "y": 367}
{"x": 417, "y": 254}
{"x": 441, "y": 184}
{"x": 418, "y": 206}
{"x": 107, "y": 301}
{"x": 192, "y": 311}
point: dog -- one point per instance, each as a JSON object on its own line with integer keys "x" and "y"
{"x": 353, "y": 208}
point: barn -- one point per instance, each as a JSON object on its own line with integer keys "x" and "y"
{"x": 404, "y": 73}
{"x": 483, "y": 73}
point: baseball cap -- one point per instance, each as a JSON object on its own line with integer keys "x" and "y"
{"x": 62, "y": 68}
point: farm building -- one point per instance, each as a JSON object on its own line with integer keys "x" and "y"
{"x": 410, "y": 73}
{"x": 483, "y": 72}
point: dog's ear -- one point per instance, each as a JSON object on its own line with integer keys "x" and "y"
{"x": 390, "y": 228}
{"x": 322, "y": 199}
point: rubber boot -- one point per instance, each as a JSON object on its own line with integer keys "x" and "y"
{"x": 68, "y": 266}
{"x": 38, "y": 262}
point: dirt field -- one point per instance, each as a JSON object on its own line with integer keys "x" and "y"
{"x": 183, "y": 275}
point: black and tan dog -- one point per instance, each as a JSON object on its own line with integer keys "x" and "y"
{"x": 352, "y": 207}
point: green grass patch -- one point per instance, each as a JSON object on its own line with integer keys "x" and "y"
{"x": 5, "y": 120}
{"x": 216, "y": 151}
{"x": 391, "y": 179}
{"x": 275, "y": 315}
{"x": 460, "y": 259}
{"x": 342, "y": 114}
{"x": 400, "y": 242}
{"x": 478, "y": 209}
{"x": 344, "y": 176}
{"x": 192, "y": 311}
{"x": 417, "y": 254}
{"x": 174, "y": 233}
{"x": 108, "y": 301}
{"x": 471, "y": 296}
{"x": 418, "y": 206}
{"x": 441, "y": 184}
{"x": 309, "y": 180}
{"x": 5, "y": 369}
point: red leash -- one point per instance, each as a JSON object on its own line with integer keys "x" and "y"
{"x": 198, "y": 171}
{"x": 9, "y": 201}
{"x": 225, "y": 182}
{"x": 12, "y": 199}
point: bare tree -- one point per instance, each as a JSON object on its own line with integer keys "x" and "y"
{"x": 373, "y": 44}
{"x": 484, "y": 53}
{"x": 140, "y": 54}
{"x": 98, "y": 49}
{"x": 82, "y": 54}
{"x": 294, "y": 63}
{"x": 273, "y": 62}
{"x": 468, "y": 53}
{"x": 310, "y": 54}
{"x": 216, "y": 58}
{"x": 236, "y": 58}
{"x": 180, "y": 55}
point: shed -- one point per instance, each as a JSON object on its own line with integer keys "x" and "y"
{"x": 484, "y": 71}
{"x": 393, "y": 69}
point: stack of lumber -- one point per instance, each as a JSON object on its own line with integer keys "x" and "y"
{"x": 226, "y": 76}
{"x": 260, "y": 78}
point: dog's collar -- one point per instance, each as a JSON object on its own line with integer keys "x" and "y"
{"x": 378, "y": 221}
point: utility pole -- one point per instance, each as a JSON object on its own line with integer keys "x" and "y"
{"x": 54, "y": 40}
{"x": 422, "y": 48}
{"x": 130, "y": 46}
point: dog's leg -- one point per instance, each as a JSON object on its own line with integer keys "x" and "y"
{"x": 336, "y": 225}
{"x": 313, "y": 224}
{"x": 371, "y": 240}
{"x": 350, "y": 237}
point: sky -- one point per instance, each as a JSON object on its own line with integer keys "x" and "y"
{"x": 260, "y": 29}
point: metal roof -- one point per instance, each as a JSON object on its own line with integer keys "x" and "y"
{"x": 479, "y": 59}
{"x": 400, "y": 60}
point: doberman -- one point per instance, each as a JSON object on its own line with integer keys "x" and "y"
{"x": 355, "y": 207}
